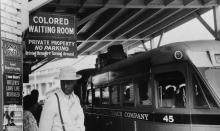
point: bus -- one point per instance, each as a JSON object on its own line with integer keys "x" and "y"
{"x": 175, "y": 87}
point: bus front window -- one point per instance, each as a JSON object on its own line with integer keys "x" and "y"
{"x": 202, "y": 96}
{"x": 171, "y": 89}
{"x": 212, "y": 75}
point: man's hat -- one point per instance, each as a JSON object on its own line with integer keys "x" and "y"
{"x": 68, "y": 73}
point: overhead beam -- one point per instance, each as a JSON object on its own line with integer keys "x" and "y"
{"x": 167, "y": 23}
{"x": 167, "y": 2}
{"x": 139, "y": 20}
{"x": 178, "y": 23}
{"x": 85, "y": 46}
{"x": 100, "y": 23}
{"x": 104, "y": 2}
{"x": 126, "y": 2}
{"x": 146, "y": 2}
{"x": 165, "y": 15}
{"x": 42, "y": 63}
{"x": 203, "y": 2}
{"x": 186, "y": 2}
{"x": 82, "y": 3}
{"x": 216, "y": 13}
{"x": 140, "y": 4}
{"x": 94, "y": 14}
{"x": 205, "y": 24}
{"x": 121, "y": 21}
{"x": 110, "y": 40}
{"x": 86, "y": 26}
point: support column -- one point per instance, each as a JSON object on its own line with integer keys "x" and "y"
{"x": 216, "y": 13}
{"x": 145, "y": 48}
{"x": 152, "y": 44}
{"x": 161, "y": 37}
{"x": 1, "y": 86}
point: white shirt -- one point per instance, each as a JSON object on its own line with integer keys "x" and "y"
{"x": 71, "y": 111}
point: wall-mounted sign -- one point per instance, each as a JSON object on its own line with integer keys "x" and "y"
{"x": 51, "y": 35}
{"x": 56, "y": 48}
{"x": 12, "y": 84}
{"x": 12, "y": 66}
{"x": 52, "y": 25}
{"x": 12, "y": 50}
{"x": 13, "y": 118}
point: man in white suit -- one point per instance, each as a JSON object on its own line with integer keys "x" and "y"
{"x": 62, "y": 110}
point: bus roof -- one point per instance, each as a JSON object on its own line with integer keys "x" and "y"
{"x": 165, "y": 53}
{"x": 199, "y": 45}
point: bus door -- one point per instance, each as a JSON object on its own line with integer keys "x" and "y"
{"x": 171, "y": 97}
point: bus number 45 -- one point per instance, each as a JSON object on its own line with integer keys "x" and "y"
{"x": 168, "y": 118}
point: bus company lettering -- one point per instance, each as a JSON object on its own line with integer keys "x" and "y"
{"x": 116, "y": 113}
{"x": 140, "y": 116}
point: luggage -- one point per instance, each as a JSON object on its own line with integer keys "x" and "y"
{"x": 114, "y": 53}
{"x": 101, "y": 61}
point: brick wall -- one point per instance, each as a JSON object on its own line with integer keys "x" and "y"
{"x": 11, "y": 20}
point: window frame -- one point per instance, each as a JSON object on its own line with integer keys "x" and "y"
{"x": 171, "y": 67}
{"x": 198, "y": 77}
{"x": 126, "y": 103}
{"x": 101, "y": 91}
{"x": 87, "y": 97}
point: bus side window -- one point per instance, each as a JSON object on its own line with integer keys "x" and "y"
{"x": 97, "y": 97}
{"x": 171, "y": 90}
{"x": 115, "y": 94}
{"x": 105, "y": 95}
{"x": 128, "y": 94}
{"x": 202, "y": 96}
{"x": 145, "y": 92}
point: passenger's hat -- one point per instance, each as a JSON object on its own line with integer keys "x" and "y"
{"x": 68, "y": 73}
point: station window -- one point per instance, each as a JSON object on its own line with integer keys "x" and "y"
{"x": 105, "y": 95}
{"x": 128, "y": 94}
{"x": 145, "y": 92}
{"x": 171, "y": 89}
{"x": 115, "y": 94}
{"x": 97, "y": 97}
{"x": 202, "y": 96}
